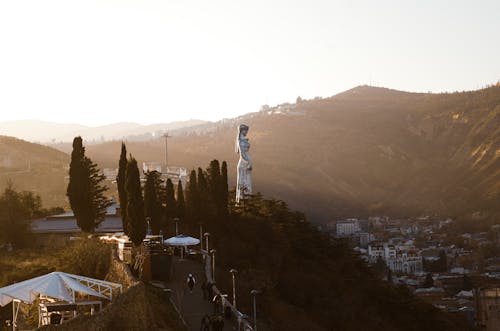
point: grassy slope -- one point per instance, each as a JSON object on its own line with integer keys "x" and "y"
{"x": 35, "y": 168}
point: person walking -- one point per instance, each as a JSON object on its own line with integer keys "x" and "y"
{"x": 191, "y": 281}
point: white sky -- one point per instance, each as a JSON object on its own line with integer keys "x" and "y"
{"x": 97, "y": 62}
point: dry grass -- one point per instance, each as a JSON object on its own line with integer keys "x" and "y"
{"x": 23, "y": 264}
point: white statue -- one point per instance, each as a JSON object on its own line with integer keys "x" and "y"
{"x": 244, "y": 182}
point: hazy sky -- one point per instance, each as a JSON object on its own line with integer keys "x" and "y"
{"x": 97, "y": 62}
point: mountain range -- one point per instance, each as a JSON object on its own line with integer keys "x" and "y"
{"x": 366, "y": 151}
{"x": 45, "y": 132}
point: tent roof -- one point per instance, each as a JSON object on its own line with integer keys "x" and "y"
{"x": 58, "y": 285}
{"x": 182, "y": 240}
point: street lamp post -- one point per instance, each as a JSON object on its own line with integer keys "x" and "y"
{"x": 213, "y": 263}
{"x": 201, "y": 236}
{"x": 148, "y": 221}
{"x": 176, "y": 220}
{"x": 254, "y": 293}
{"x": 233, "y": 273}
{"x": 206, "y": 241}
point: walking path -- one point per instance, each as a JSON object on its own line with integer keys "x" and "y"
{"x": 191, "y": 305}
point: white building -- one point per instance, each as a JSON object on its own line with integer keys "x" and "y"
{"x": 365, "y": 238}
{"x": 398, "y": 259}
{"x": 110, "y": 173}
{"x": 151, "y": 166}
{"x": 348, "y": 227}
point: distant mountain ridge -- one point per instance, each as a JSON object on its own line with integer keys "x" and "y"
{"x": 45, "y": 132}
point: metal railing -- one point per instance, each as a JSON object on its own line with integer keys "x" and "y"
{"x": 243, "y": 324}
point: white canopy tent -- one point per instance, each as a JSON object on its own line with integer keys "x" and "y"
{"x": 182, "y": 241}
{"x": 56, "y": 285}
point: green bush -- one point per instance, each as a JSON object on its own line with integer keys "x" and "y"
{"x": 87, "y": 257}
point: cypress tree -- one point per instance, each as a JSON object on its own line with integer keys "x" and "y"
{"x": 214, "y": 176}
{"x": 181, "y": 205}
{"x": 224, "y": 189}
{"x": 214, "y": 185}
{"x": 170, "y": 203}
{"x": 78, "y": 189}
{"x": 206, "y": 209}
{"x": 152, "y": 203}
{"x": 192, "y": 199}
{"x": 85, "y": 190}
{"x": 120, "y": 182}
{"x": 136, "y": 222}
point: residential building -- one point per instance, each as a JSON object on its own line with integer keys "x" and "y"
{"x": 396, "y": 258}
{"x": 347, "y": 227}
{"x": 487, "y": 308}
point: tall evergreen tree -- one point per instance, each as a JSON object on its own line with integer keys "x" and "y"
{"x": 224, "y": 189}
{"x": 181, "y": 205}
{"x": 215, "y": 188}
{"x": 206, "y": 209}
{"x": 192, "y": 200}
{"x": 136, "y": 222}
{"x": 152, "y": 202}
{"x": 170, "y": 202}
{"x": 120, "y": 182}
{"x": 85, "y": 190}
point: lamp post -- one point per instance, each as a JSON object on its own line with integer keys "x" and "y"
{"x": 206, "y": 235}
{"x": 201, "y": 236}
{"x": 254, "y": 293}
{"x": 148, "y": 221}
{"x": 233, "y": 273}
{"x": 213, "y": 263}
{"x": 176, "y": 220}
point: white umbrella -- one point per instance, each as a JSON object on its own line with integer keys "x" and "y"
{"x": 182, "y": 241}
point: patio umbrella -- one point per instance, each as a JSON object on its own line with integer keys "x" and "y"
{"x": 182, "y": 241}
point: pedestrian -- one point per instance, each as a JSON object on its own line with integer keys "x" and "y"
{"x": 205, "y": 323}
{"x": 191, "y": 281}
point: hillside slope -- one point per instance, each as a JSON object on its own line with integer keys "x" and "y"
{"x": 365, "y": 151}
{"x": 35, "y": 168}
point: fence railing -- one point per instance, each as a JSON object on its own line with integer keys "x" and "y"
{"x": 243, "y": 324}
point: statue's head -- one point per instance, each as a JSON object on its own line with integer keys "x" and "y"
{"x": 243, "y": 129}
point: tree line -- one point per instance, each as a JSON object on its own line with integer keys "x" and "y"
{"x": 16, "y": 209}
{"x": 157, "y": 204}
{"x": 161, "y": 202}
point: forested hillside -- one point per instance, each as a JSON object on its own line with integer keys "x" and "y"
{"x": 365, "y": 151}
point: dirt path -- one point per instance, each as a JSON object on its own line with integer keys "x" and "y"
{"x": 192, "y": 305}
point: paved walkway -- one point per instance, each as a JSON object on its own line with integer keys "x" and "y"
{"x": 191, "y": 305}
